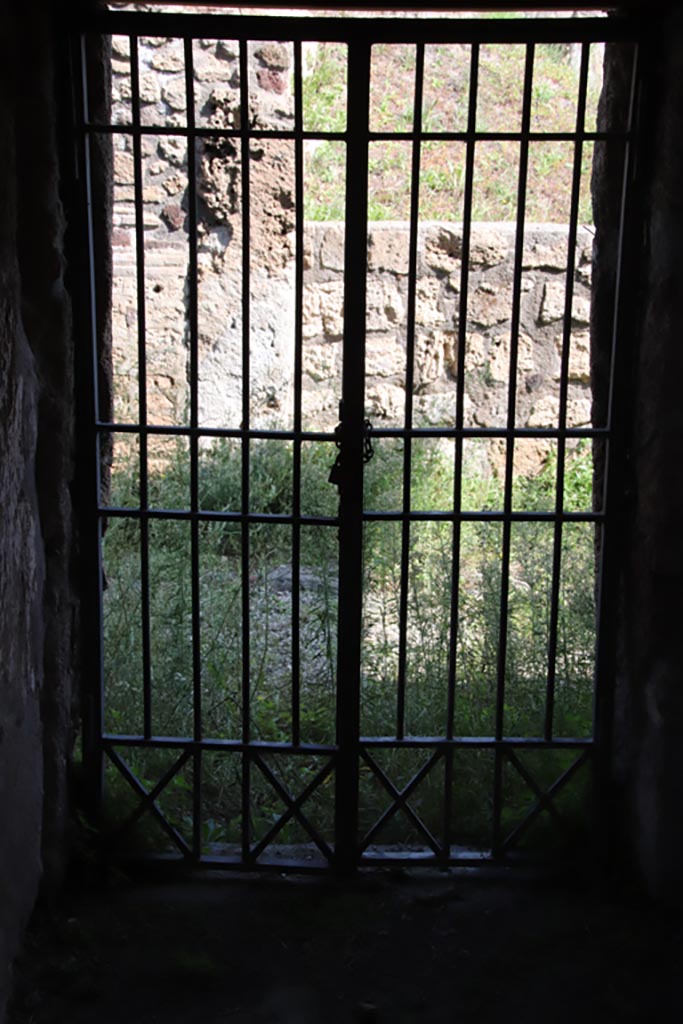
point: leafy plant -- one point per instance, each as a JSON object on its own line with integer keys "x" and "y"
{"x": 430, "y": 629}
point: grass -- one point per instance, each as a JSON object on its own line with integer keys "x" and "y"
{"x": 428, "y": 612}
{"x": 445, "y": 108}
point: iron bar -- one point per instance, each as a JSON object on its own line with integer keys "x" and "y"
{"x": 362, "y": 31}
{"x": 564, "y": 390}
{"x": 400, "y": 801}
{"x": 459, "y": 421}
{"x": 246, "y": 388}
{"x": 509, "y": 456}
{"x": 298, "y": 386}
{"x": 294, "y": 806}
{"x": 286, "y": 520}
{"x": 305, "y": 749}
{"x": 135, "y": 784}
{"x": 409, "y": 389}
{"x": 82, "y": 266}
{"x": 352, "y": 438}
{"x": 142, "y": 391}
{"x": 377, "y": 432}
{"x": 185, "y": 515}
{"x": 128, "y": 128}
{"x": 193, "y": 325}
{"x": 543, "y": 803}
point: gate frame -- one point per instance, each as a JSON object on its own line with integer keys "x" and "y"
{"x": 360, "y": 34}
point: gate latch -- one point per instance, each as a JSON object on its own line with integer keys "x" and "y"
{"x": 336, "y": 475}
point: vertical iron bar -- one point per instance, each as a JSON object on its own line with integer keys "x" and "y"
{"x": 193, "y": 325}
{"x": 410, "y": 383}
{"x": 142, "y": 388}
{"x": 459, "y": 421}
{"x": 510, "y": 450}
{"x": 246, "y": 388}
{"x": 564, "y": 388}
{"x": 89, "y": 404}
{"x": 351, "y": 490}
{"x": 298, "y": 351}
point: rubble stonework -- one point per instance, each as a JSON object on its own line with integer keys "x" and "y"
{"x": 221, "y": 186}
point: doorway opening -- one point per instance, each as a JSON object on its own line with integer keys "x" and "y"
{"x": 346, "y": 527}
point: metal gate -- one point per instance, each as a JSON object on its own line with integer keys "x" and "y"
{"x": 397, "y": 660}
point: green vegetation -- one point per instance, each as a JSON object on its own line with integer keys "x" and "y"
{"x": 429, "y": 635}
{"x": 445, "y": 109}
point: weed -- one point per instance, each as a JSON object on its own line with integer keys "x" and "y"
{"x": 439, "y": 552}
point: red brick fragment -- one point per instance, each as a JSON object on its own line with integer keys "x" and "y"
{"x": 271, "y": 81}
{"x": 174, "y": 215}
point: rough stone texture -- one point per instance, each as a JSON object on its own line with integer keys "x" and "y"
{"x": 272, "y": 269}
{"x": 648, "y": 754}
{"x": 37, "y": 605}
{"x": 21, "y": 578}
{"x": 487, "y": 355}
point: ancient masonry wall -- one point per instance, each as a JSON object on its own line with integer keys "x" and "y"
{"x": 38, "y": 603}
{"x": 220, "y": 192}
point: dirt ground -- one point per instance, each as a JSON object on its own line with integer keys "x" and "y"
{"x": 384, "y": 947}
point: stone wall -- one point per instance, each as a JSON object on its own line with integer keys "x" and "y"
{"x": 643, "y": 624}
{"x": 487, "y": 352}
{"x": 37, "y": 600}
{"x": 220, "y": 189}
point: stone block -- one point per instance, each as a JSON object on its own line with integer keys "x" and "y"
{"x": 579, "y": 406}
{"x": 553, "y": 302}
{"x": 175, "y": 95}
{"x": 322, "y": 362}
{"x": 385, "y": 307}
{"x": 490, "y": 305}
{"x": 442, "y": 248}
{"x": 499, "y": 357}
{"x": 124, "y": 168}
{"x": 435, "y": 357}
{"x": 120, "y": 46}
{"x": 388, "y": 249}
{"x": 227, "y": 49}
{"x": 489, "y": 246}
{"x": 545, "y": 412}
{"x": 274, "y": 55}
{"x": 150, "y": 89}
{"x": 579, "y": 357}
{"x": 332, "y": 248}
{"x": 545, "y": 250}
{"x": 208, "y": 68}
{"x": 385, "y": 356}
{"x": 174, "y": 184}
{"x": 308, "y": 251}
{"x": 428, "y": 294}
{"x": 172, "y": 149}
{"x": 581, "y": 310}
{"x": 174, "y": 215}
{"x": 385, "y": 402}
{"x": 332, "y": 308}
{"x": 168, "y": 59}
{"x": 528, "y": 459}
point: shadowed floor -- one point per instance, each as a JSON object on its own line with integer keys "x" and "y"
{"x": 385, "y": 947}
